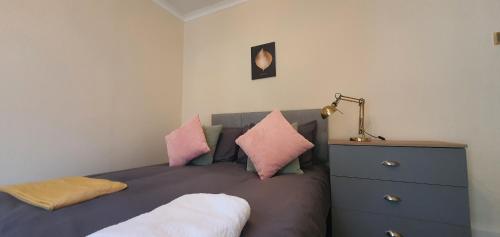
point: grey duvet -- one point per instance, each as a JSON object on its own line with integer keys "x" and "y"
{"x": 286, "y": 205}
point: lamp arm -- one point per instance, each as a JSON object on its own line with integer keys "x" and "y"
{"x": 361, "y": 127}
{"x": 361, "y": 103}
{"x": 340, "y": 97}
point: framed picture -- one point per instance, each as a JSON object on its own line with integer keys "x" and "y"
{"x": 263, "y": 61}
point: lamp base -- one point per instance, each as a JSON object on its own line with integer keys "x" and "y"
{"x": 360, "y": 139}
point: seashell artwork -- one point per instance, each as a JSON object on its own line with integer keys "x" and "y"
{"x": 263, "y": 61}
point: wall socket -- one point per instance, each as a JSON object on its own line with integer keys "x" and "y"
{"x": 497, "y": 38}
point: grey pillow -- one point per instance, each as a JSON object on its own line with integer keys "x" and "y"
{"x": 308, "y": 130}
{"x": 226, "y": 147}
{"x": 292, "y": 167}
{"x": 212, "y": 134}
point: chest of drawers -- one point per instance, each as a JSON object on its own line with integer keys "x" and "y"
{"x": 399, "y": 189}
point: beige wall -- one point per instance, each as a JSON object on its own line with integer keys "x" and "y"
{"x": 92, "y": 86}
{"x": 86, "y": 86}
{"x": 427, "y": 68}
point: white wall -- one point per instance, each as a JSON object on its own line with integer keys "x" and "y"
{"x": 86, "y": 86}
{"x": 427, "y": 68}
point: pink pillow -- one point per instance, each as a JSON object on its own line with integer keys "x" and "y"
{"x": 272, "y": 143}
{"x": 186, "y": 143}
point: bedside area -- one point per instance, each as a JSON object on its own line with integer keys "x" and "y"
{"x": 399, "y": 189}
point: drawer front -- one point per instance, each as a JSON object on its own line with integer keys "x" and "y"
{"x": 420, "y": 201}
{"x": 361, "y": 224}
{"x": 445, "y": 166}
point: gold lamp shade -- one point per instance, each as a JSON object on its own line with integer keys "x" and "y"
{"x": 328, "y": 110}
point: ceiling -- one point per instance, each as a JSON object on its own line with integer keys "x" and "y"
{"x": 191, "y": 9}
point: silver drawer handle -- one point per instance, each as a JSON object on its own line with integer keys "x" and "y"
{"x": 392, "y": 198}
{"x": 393, "y": 233}
{"x": 390, "y": 163}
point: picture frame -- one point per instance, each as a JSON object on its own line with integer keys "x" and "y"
{"x": 263, "y": 60}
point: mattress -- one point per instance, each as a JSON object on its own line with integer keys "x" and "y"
{"x": 286, "y": 205}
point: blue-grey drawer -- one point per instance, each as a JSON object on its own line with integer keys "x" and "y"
{"x": 445, "y": 204}
{"x": 445, "y": 166}
{"x": 363, "y": 224}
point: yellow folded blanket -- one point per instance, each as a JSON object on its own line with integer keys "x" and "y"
{"x": 59, "y": 193}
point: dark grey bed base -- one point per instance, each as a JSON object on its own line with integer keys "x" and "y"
{"x": 300, "y": 116}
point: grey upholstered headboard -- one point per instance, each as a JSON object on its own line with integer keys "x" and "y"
{"x": 300, "y": 116}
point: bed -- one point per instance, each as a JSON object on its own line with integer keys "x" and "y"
{"x": 286, "y": 205}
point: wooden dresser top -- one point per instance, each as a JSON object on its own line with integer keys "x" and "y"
{"x": 437, "y": 144}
